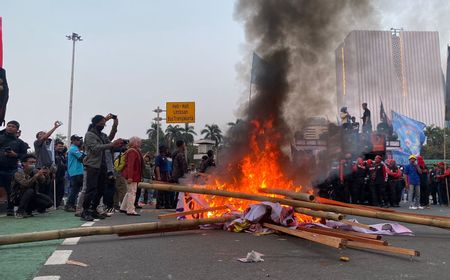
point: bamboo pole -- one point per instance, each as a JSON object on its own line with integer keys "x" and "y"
{"x": 370, "y": 208}
{"x": 290, "y": 194}
{"x": 331, "y": 241}
{"x": 354, "y": 224}
{"x": 180, "y": 214}
{"x": 354, "y": 233}
{"x": 320, "y": 214}
{"x": 400, "y": 217}
{"x": 346, "y": 236}
{"x": 106, "y": 230}
{"x": 390, "y": 249}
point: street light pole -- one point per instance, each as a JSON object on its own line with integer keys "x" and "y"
{"x": 74, "y": 38}
{"x": 158, "y": 120}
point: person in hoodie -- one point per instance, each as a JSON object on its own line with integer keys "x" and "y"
{"x": 12, "y": 149}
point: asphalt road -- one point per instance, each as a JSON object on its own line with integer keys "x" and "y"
{"x": 212, "y": 254}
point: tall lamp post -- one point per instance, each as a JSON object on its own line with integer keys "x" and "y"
{"x": 158, "y": 120}
{"x": 74, "y": 38}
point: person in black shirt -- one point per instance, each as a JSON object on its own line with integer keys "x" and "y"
{"x": 11, "y": 150}
{"x": 367, "y": 122}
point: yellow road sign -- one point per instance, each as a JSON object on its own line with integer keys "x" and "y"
{"x": 180, "y": 112}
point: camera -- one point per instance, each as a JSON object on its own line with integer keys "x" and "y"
{"x": 126, "y": 141}
{"x": 114, "y": 117}
{"x": 59, "y": 123}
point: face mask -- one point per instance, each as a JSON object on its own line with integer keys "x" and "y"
{"x": 100, "y": 127}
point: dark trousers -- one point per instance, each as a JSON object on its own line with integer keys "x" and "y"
{"x": 59, "y": 188}
{"x": 76, "y": 183}
{"x": 138, "y": 195}
{"x": 424, "y": 190}
{"x": 108, "y": 197}
{"x": 374, "y": 189}
{"x": 394, "y": 192}
{"x": 30, "y": 200}
{"x": 434, "y": 192}
{"x": 442, "y": 193}
{"x": 357, "y": 190}
{"x": 95, "y": 187}
{"x": 5, "y": 182}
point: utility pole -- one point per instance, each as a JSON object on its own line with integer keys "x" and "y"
{"x": 74, "y": 38}
{"x": 158, "y": 120}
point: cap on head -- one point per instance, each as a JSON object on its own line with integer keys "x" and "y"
{"x": 412, "y": 157}
{"x": 16, "y": 123}
{"x": 75, "y": 138}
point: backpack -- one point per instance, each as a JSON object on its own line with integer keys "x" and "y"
{"x": 119, "y": 162}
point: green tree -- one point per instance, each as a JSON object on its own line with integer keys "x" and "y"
{"x": 150, "y": 143}
{"x": 173, "y": 133}
{"x": 188, "y": 133}
{"x": 434, "y": 147}
{"x": 213, "y": 132}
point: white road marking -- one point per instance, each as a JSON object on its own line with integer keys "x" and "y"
{"x": 59, "y": 257}
{"x": 87, "y": 224}
{"x": 96, "y": 220}
{"x": 51, "y": 277}
{"x": 71, "y": 241}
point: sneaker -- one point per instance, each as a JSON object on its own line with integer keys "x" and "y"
{"x": 86, "y": 216}
{"x": 413, "y": 207}
{"x": 20, "y": 215}
{"x": 420, "y": 207}
{"x": 10, "y": 214}
{"x": 97, "y": 215}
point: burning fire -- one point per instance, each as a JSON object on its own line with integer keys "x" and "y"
{"x": 260, "y": 168}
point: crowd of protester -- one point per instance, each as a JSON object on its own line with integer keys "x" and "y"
{"x": 383, "y": 183}
{"x": 96, "y": 176}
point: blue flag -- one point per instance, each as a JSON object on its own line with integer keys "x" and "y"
{"x": 411, "y": 136}
{"x": 260, "y": 69}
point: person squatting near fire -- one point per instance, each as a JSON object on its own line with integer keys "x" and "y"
{"x": 25, "y": 188}
{"x": 44, "y": 149}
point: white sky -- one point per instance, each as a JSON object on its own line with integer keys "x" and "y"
{"x": 136, "y": 55}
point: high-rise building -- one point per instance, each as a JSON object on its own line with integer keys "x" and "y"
{"x": 402, "y": 69}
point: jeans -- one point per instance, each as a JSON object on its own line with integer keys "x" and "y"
{"x": 414, "y": 195}
{"x": 95, "y": 186}
{"x": 108, "y": 197}
{"x": 5, "y": 182}
{"x": 76, "y": 183}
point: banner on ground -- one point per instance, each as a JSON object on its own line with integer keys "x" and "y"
{"x": 411, "y": 136}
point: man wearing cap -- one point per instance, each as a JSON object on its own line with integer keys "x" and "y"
{"x": 12, "y": 149}
{"x": 96, "y": 143}
{"x": 412, "y": 178}
{"x": 75, "y": 169}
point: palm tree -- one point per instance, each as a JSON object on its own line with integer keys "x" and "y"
{"x": 188, "y": 133}
{"x": 151, "y": 132}
{"x": 213, "y": 132}
{"x": 234, "y": 124}
{"x": 173, "y": 132}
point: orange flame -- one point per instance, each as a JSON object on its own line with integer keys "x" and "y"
{"x": 260, "y": 169}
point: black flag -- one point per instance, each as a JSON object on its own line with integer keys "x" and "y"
{"x": 4, "y": 95}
